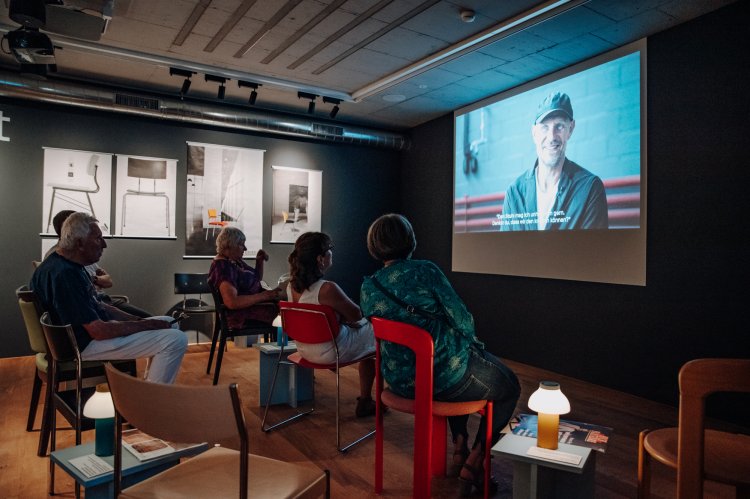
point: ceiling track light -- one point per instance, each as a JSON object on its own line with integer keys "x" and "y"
{"x": 254, "y": 94}
{"x": 335, "y": 102}
{"x": 185, "y": 74}
{"x": 312, "y": 97}
{"x": 221, "y": 81}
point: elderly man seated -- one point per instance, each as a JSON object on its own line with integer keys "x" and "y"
{"x": 102, "y": 331}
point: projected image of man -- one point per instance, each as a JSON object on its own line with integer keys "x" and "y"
{"x": 556, "y": 193}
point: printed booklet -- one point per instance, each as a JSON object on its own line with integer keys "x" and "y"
{"x": 144, "y": 446}
{"x": 570, "y": 432}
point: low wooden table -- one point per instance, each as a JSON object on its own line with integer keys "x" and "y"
{"x": 133, "y": 470}
{"x": 535, "y": 477}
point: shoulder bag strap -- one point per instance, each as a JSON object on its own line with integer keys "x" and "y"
{"x": 409, "y": 308}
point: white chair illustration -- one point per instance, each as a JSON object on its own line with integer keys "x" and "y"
{"x": 153, "y": 169}
{"x": 85, "y": 188}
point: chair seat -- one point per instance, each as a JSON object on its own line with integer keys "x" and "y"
{"x": 402, "y": 404}
{"x": 727, "y": 455}
{"x": 68, "y": 187}
{"x": 302, "y": 362}
{"x": 188, "y": 479}
{"x": 145, "y": 193}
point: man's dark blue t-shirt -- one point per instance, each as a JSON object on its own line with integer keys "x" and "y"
{"x": 67, "y": 293}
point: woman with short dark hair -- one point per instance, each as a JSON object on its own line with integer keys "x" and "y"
{"x": 463, "y": 369}
{"x": 311, "y": 258}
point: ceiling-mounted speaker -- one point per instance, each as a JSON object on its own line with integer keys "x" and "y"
{"x": 28, "y": 13}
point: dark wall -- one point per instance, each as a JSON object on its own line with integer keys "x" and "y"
{"x": 628, "y": 337}
{"x": 358, "y": 185}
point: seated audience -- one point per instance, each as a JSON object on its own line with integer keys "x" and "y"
{"x": 240, "y": 284}
{"x": 99, "y": 276}
{"x": 463, "y": 369}
{"x": 102, "y": 331}
{"x": 311, "y": 258}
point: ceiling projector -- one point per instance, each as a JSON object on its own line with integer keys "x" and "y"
{"x": 30, "y": 46}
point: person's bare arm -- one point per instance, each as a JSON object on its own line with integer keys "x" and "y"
{"x": 105, "y": 330}
{"x": 235, "y": 301}
{"x": 332, "y": 295}
{"x": 117, "y": 314}
{"x": 102, "y": 279}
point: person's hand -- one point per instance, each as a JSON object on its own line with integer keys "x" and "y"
{"x": 261, "y": 256}
{"x": 272, "y": 294}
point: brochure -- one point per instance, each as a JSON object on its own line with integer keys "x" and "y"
{"x": 570, "y": 432}
{"x": 91, "y": 465}
{"x": 144, "y": 446}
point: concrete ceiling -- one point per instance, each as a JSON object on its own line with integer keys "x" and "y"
{"x": 394, "y": 64}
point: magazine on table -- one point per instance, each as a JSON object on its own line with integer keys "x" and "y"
{"x": 144, "y": 446}
{"x": 570, "y": 432}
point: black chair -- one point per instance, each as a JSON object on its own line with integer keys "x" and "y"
{"x": 63, "y": 349}
{"x": 222, "y": 332}
{"x": 198, "y": 311}
{"x": 32, "y": 310}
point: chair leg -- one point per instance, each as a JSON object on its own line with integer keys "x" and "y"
{"x": 644, "y": 468}
{"x": 47, "y": 414}
{"x": 219, "y": 356}
{"x": 487, "y": 446}
{"x": 36, "y": 390}
{"x": 338, "y": 423}
{"x": 269, "y": 396}
{"x": 439, "y": 443}
{"x": 214, "y": 339}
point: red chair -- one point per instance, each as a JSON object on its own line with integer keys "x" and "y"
{"x": 429, "y": 416}
{"x": 309, "y": 323}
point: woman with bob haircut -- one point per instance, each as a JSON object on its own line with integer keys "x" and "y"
{"x": 464, "y": 370}
{"x": 240, "y": 284}
{"x": 311, "y": 258}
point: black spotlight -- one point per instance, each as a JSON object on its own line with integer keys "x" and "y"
{"x": 335, "y": 102}
{"x": 312, "y": 97}
{"x": 254, "y": 94}
{"x": 185, "y": 74}
{"x": 221, "y": 81}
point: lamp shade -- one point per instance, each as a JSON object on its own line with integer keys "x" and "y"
{"x": 100, "y": 404}
{"x": 549, "y": 399}
{"x": 277, "y": 321}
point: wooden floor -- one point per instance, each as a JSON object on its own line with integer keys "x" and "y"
{"x": 24, "y": 475}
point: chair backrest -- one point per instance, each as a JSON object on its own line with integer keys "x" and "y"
{"x": 191, "y": 284}
{"x": 698, "y": 379}
{"x": 211, "y": 213}
{"x": 170, "y": 412}
{"x": 31, "y": 310}
{"x": 61, "y": 340}
{"x": 309, "y": 323}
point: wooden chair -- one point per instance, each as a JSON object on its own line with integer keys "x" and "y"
{"x": 170, "y": 412}
{"x": 698, "y": 453}
{"x": 309, "y": 323}
{"x": 429, "y": 415}
{"x": 32, "y": 310}
{"x": 63, "y": 349}
{"x": 222, "y": 332}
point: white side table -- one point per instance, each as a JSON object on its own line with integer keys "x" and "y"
{"x": 538, "y": 478}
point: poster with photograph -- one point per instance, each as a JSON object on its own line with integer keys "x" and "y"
{"x": 224, "y": 188}
{"x": 145, "y": 197}
{"x": 297, "y": 202}
{"x": 78, "y": 181}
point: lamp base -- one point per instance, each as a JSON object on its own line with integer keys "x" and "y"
{"x": 104, "y": 443}
{"x": 547, "y": 428}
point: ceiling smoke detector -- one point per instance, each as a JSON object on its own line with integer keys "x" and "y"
{"x": 468, "y": 15}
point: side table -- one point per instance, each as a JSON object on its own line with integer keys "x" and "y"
{"x": 133, "y": 470}
{"x": 293, "y": 384}
{"x": 535, "y": 477}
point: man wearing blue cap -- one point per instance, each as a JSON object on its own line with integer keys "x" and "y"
{"x": 555, "y": 194}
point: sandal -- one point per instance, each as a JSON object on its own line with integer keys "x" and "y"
{"x": 366, "y": 407}
{"x": 475, "y": 482}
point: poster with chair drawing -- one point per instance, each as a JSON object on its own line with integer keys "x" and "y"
{"x": 78, "y": 181}
{"x": 297, "y": 202}
{"x": 224, "y": 188}
{"x": 145, "y": 197}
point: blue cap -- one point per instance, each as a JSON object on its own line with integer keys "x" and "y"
{"x": 555, "y": 102}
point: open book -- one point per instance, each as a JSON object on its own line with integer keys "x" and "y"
{"x": 144, "y": 446}
{"x": 570, "y": 432}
